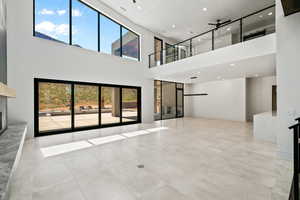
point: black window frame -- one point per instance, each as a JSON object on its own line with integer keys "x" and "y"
{"x": 37, "y": 133}
{"x": 161, "y": 99}
{"x": 71, "y": 22}
{"x": 138, "y": 37}
{"x": 99, "y": 35}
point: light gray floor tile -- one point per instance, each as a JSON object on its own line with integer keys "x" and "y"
{"x": 193, "y": 158}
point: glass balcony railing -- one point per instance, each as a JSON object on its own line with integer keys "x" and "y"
{"x": 249, "y": 27}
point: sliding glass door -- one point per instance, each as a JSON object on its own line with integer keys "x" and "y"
{"x": 54, "y": 106}
{"x": 110, "y": 105}
{"x": 179, "y": 99}
{"x": 66, "y": 106}
{"x": 168, "y": 100}
{"x": 86, "y": 105}
{"x": 129, "y": 104}
{"x": 157, "y": 100}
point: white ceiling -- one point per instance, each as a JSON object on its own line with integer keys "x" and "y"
{"x": 188, "y": 15}
{"x": 253, "y": 67}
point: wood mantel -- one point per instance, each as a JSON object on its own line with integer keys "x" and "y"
{"x": 6, "y": 91}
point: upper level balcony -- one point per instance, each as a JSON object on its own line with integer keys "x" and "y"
{"x": 251, "y": 26}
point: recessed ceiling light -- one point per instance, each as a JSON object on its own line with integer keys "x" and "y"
{"x": 204, "y": 9}
{"x": 232, "y": 65}
{"x": 228, "y": 29}
{"x": 270, "y": 13}
{"x": 173, "y": 26}
{"x": 139, "y": 7}
{"x": 261, "y": 16}
{"x": 199, "y": 39}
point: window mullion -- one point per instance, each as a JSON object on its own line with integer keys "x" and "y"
{"x": 70, "y": 22}
{"x": 121, "y": 42}
{"x": 99, "y": 32}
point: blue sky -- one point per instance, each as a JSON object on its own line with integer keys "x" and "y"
{"x": 52, "y": 19}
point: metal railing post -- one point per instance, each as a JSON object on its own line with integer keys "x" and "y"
{"x": 294, "y": 194}
{"x": 191, "y": 48}
{"x": 296, "y": 162}
{"x": 241, "y": 30}
{"x": 213, "y": 40}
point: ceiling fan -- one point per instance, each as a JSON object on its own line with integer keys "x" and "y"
{"x": 219, "y": 23}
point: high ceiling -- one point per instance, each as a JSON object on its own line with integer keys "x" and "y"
{"x": 188, "y": 16}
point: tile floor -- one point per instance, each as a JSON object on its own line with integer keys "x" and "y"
{"x": 190, "y": 160}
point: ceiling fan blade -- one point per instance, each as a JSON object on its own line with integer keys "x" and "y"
{"x": 226, "y": 22}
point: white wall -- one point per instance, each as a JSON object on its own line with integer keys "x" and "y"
{"x": 288, "y": 70}
{"x": 3, "y": 46}
{"x": 259, "y": 95}
{"x": 30, "y": 57}
{"x": 225, "y": 100}
{"x": 187, "y": 101}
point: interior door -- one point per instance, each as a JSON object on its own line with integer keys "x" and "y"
{"x": 179, "y": 105}
{"x": 158, "y": 48}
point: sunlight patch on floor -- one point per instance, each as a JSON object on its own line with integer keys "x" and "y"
{"x": 64, "y": 148}
{"x": 73, "y": 146}
{"x": 105, "y": 140}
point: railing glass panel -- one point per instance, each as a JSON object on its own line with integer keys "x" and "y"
{"x": 227, "y": 35}
{"x": 259, "y": 24}
{"x": 202, "y": 43}
{"x": 170, "y": 54}
{"x": 184, "y": 49}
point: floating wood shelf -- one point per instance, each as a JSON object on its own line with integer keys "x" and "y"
{"x": 191, "y": 95}
{"x": 6, "y": 91}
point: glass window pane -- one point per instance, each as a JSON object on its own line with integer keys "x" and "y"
{"x": 86, "y": 105}
{"x": 179, "y": 103}
{"x": 179, "y": 85}
{"x": 84, "y": 26}
{"x": 168, "y": 100}
{"x": 110, "y": 42}
{"x": 227, "y": 35}
{"x": 52, "y": 20}
{"x": 129, "y": 105}
{"x": 130, "y": 44}
{"x": 202, "y": 44}
{"x": 110, "y": 105}
{"x": 157, "y": 100}
{"x": 54, "y": 106}
{"x": 260, "y": 24}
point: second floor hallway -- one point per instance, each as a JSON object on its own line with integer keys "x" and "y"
{"x": 248, "y": 37}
